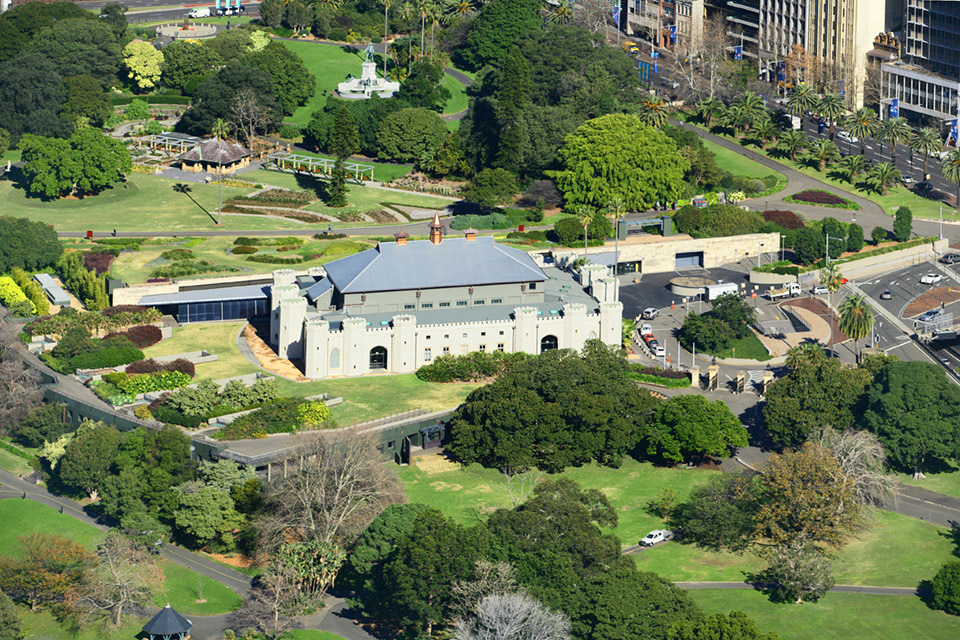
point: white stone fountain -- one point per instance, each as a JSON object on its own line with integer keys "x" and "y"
{"x": 368, "y": 83}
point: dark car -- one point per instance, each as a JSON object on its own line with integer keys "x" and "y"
{"x": 886, "y": 295}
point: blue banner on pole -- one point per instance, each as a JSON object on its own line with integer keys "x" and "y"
{"x": 895, "y": 108}
{"x": 953, "y": 131}
{"x": 738, "y": 53}
{"x": 644, "y": 70}
{"x": 673, "y": 34}
{"x": 615, "y": 11}
{"x": 655, "y": 70}
{"x": 781, "y": 72}
{"x": 654, "y": 54}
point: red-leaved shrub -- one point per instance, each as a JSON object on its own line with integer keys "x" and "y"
{"x": 152, "y": 366}
{"x": 143, "y": 336}
{"x": 818, "y": 197}
{"x": 122, "y": 308}
{"x": 144, "y": 366}
{"x": 786, "y": 219}
{"x": 98, "y": 262}
{"x": 182, "y": 365}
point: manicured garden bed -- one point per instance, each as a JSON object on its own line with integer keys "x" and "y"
{"x": 821, "y": 198}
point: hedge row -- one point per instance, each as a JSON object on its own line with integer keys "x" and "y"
{"x": 121, "y": 101}
{"x": 32, "y": 289}
{"x": 782, "y": 268}
{"x": 670, "y": 383}
{"x": 475, "y": 366}
{"x": 17, "y": 451}
{"x": 152, "y": 366}
{"x": 162, "y": 381}
{"x": 273, "y": 259}
{"x": 105, "y": 358}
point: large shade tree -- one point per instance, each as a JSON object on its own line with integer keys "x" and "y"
{"x": 618, "y": 155}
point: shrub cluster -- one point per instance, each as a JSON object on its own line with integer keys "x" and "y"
{"x": 717, "y": 220}
{"x": 32, "y": 289}
{"x": 569, "y": 231}
{"x": 285, "y": 415}
{"x": 141, "y": 336}
{"x": 99, "y": 261}
{"x": 190, "y": 407}
{"x": 475, "y": 366}
{"x": 161, "y": 381}
{"x": 821, "y": 198}
{"x": 527, "y": 237}
{"x": 244, "y": 250}
{"x": 274, "y": 259}
{"x": 177, "y": 254}
{"x": 109, "y": 392}
{"x": 152, "y": 366}
{"x": 786, "y": 219}
{"x": 88, "y": 286}
{"x": 105, "y": 358}
{"x": 14, "y": 298}
{"x": 188, "y": 268}
{"x": 111, "y": 319}
{"x": 111, "y": 312}
{"x": 269, "y": 242}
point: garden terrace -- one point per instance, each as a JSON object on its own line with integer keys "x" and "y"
{"x": 318, "y": 166}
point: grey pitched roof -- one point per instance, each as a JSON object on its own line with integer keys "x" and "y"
{"x": 455, "y": 262}
{"x": 216, "y": 152}
{"x": 167, "y": 622}
{"x": 223, "y": 294}
{"x": 318, "y": 289}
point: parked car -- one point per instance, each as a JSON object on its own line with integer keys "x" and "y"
{"x": 650, "y": 313}
{"x": 645, "y": 329}
{"x": 906, "y": 179}
{"x": 886, "y": 295}
{"x": 950, "y": 258}
{"x": 199, "y": 12}
{"x": 647, "y": 337}
{"x": 819, "y": 290}
{"x": 846, "y": 137}
{"x": 931, "y": 278}
{"x": 658, "y": 535}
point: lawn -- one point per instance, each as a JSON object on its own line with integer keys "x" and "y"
{"x": 43, "y": 625}
{"x": 837, "y": 615}
{"x": 24, "y": 517}
{"x": 750, "y": 348}
{"x": 13, "y": 463}
{"x": 149, "y": 203}
{"x": 891, "y": 550}
{"x": 946, "y": 481}
{"x": 218, "y": 338}
{"x": 458, "y": 100}
{"x": 738, "y": 164}
{"x": 136, "y": 266}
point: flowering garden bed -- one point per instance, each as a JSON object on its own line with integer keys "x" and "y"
{"x": 821, "y": 198}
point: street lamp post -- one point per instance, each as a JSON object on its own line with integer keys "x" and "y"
{"x": 782, "y": 237}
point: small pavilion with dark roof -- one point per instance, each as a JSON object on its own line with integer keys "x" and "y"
{"x": 168, "y": 625}
{"x": 216, "y": 156}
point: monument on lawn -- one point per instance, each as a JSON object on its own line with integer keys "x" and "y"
{"x": 368, "y": 83}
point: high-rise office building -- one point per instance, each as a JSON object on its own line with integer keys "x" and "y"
{"x": 925, "y": 82}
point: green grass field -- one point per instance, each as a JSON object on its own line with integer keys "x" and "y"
{"x": 149, "y": 203}
{"x": 310, "y": 634}
{"x": 890, "y": 550}
{"x": 23, "y": 517}
{"x": 458, "y": 95}
{"x": 946, "y": 481}
{"x": 216, "y": 338}
{"x": 737, "y": 164}
{"x": 137, "y": 266}
{"x": 837, "y": 615}
{"x": 13, "y": 463}
{"x": 43, "y": 625}
{"x": 750, "y": 348}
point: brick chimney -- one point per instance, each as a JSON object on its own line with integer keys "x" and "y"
{"x": 436, "y": 229}
{"x": 470, "y": 234}
{"x": 401, "y": 237}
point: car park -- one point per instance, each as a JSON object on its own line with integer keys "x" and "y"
{"x": 650, "y": 313}
{"x": 931, "y": 278}
{"x": 819, "y": 290}
{"x": 655, "y": 536}
{"x": 886, "y": 295}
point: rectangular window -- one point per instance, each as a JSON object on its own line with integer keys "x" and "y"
{"x": 446, "y": 351}
{"x": 464, "y": 335}
{"x": 533, "y": 286}
{"x": 426, "y": 305}
{"x": 496, "y": 301}
{"x": 426, "y": 355}
{"x": 444, "y": 305}
{"x": 428, "y": 337}
{"x": 391, "y": 444}
{"x": 479, "y": 303}
{"x": 446, "y": 336}
{"x": 407, "y": 307}
{"x": 461, "y": 303}
{"x": 499, "y": 346}
{"x": 483, "y": 333}
{"x": 483, "y": 348}
{"x": 501, "y": 333}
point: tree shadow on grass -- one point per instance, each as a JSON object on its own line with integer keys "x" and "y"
{"x": 320, "y": 188}
{"x": 186, "y": 189}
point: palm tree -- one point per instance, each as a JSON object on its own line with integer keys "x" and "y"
{"x": 926, "y": 141}
{"x": 406, "y": 11}
{"x": 950, "y": 168}
{"x": 862, "y": 124}
{"x": 561, "y": 13}
{"x": 824, "y": 151}
{"x": 753, "y": 108}
{"x": 763, "y": 131}
{"x": 423, "y": 10}
{"x": 802, "y": 99}
{"x": 854, "y": 165}
{"x": 386, "y": 10}
{"x": 893, "y": 131}
{"x": 653, "y": 111}
{"x": 831, "y": 106}
{"x": 584, "y": 217}
{"x": 803, "y": 353}
{"x": 856, "y": 318}
{"x": 220, "y": 130}
{"x": 736, "y": 117}
{"x": 708, "y": 109}
{"x": 791, "y": 141}
{"x": 458, "y": 8}
{"x": 616, "y": 209}
{"x": 885, "y": 174}
{"x": 832, "y": 279}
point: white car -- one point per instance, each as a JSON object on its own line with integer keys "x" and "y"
{"x": 846, "y": 137}
{"x": 819, "y": 290}
{"x": 202, "y": 12}
{"x": 645, "y": 329}
{"x": 659, "y": 351}
{"x": 650, "y": 313}
{"x": 931, "y": 278}
{"x": 652, "y": 538}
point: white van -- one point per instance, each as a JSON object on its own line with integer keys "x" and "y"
{"x": 200, "y": 12}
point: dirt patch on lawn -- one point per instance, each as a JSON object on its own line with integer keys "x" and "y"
{"x": 433, "y": 464}
{"x": 237, "y": 560}
{"x": 931, "y": 299}
{"x": 267, "y": 357}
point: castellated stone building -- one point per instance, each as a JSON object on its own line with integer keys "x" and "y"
{"x": 400, "y": 305}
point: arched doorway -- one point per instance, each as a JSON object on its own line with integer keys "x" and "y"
{"x": 378, "y": 358}
{"x": 547, "y": 343}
